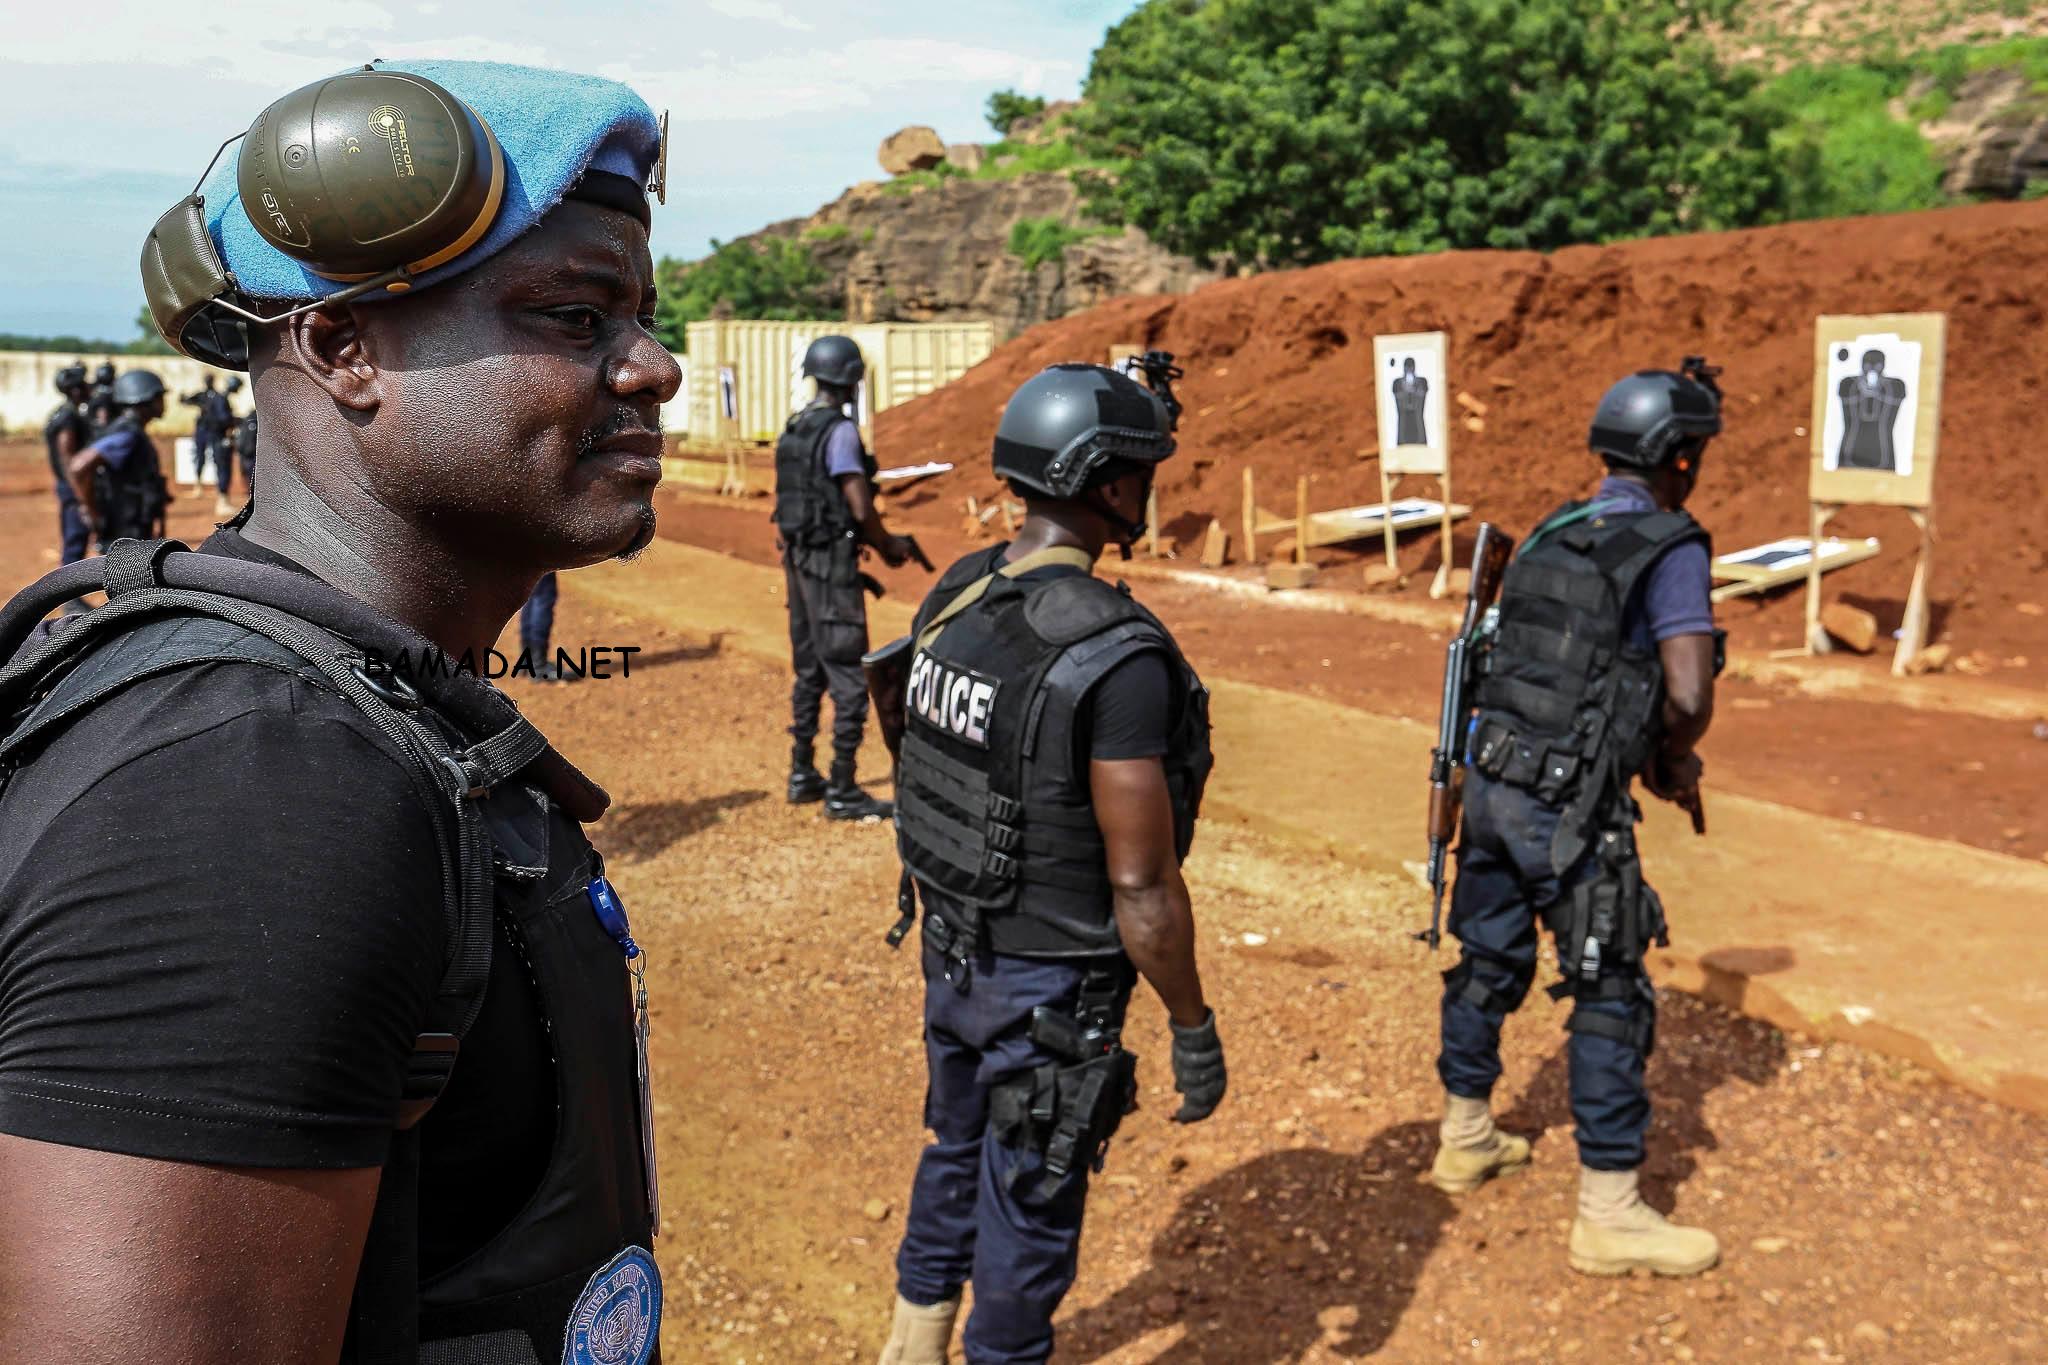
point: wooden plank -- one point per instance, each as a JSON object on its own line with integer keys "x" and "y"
{"x": 1913, "y": 631}
{"x": 1342, "y": 524}
{"x": 1741, "y": 580}
{"x": 1251, "y": 520}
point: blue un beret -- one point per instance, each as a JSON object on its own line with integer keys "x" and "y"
{"x": 553, "y": 125}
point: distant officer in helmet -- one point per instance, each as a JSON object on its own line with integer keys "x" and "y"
{"x": 65, "y": 434}
{"x": 1600, "y": 670}
{"x": 210, "y": 435}
{"x": 1052, "y": 759}
{"x": 119, "y": 478}
{"x": 825, "y": 517}
{"x": 99, "y": 404}
{"x": 230, "y": 447}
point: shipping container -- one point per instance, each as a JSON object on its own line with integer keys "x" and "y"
{"x": 905, "y": 359}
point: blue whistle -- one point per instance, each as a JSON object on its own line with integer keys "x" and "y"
{"x": 611, "y": 914}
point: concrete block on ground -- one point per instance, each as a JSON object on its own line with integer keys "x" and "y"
{"x": 1288, "y": 574}
{"x": 1853, "y": 626}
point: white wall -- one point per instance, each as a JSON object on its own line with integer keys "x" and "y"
{"x": 28, "y": 388}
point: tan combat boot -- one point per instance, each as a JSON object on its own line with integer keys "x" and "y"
{"x": 1471, "y": 1150}
{"x": 1616, "y": 1232}
{"x": 920, "y": 1335}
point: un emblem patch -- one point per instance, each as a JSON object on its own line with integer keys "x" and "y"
{"x": 617, "y": 1318}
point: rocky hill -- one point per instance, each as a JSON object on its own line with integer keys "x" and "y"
{"x": 958, "y": 232}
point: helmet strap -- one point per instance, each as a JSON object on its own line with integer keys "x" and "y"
{"x": 1126, "y": 532}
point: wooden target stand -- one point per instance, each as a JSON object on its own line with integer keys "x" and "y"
{"x": 735, "y": 482}
{"x": 1432, "y": 460}
{"x": 1829, "y": 490}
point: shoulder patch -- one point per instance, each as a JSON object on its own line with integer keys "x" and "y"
{"x": 617, "y": 1317}
{"x": 1074, "y": 607}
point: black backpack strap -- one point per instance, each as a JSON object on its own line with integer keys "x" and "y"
{"x": 147, "y": 628}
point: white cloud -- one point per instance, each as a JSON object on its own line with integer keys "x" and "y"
{"x": 759, "y": 9}
{"x": 778, "y": 104}
{"x": 825, "y": 80}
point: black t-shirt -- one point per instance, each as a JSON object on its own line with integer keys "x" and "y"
{"x": 1128, "y": 713}
{"x": 220, "y": 929}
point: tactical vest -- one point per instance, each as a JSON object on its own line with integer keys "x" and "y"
{"x": 810, "y": 509}
{"x": 506, "y": 811}
{"x": 65, "y": 417}
{"x": 133, "y": 497}
{"x": 1568, "y": 707}
{"x": 993, "y": 809}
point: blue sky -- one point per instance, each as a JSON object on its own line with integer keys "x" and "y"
{"x": 776, "y": 105}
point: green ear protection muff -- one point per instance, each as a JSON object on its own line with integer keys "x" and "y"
{"x": 368, "y": 178}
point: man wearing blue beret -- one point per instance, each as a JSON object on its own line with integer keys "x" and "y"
{"x": 364, "y": 1079}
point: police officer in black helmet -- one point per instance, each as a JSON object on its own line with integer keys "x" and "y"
{"x": 1600, "y": 669}
{"x": 826, "y": 519}
{"x": 1051, "y": 768}
{"x": 119, "y": 477}
{"x": 99, "y": 403}
{"x": 65, "y": 434}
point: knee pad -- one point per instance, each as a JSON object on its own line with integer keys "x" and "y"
{"x": 1492, "y": 988}
{"x": 1638, "y": 1031}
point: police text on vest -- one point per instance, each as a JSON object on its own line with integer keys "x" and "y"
{"x": 952, "y": 699}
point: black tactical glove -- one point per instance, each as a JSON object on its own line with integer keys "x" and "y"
{"x": 1198, "y": 1070}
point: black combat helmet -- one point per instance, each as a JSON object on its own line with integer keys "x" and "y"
{"x": 835, "y": 360}
{"x": 137, "y": 387}
{"x": 104, "y": 374}
{"x": 70, "y": 379}
{"x": 1069, "y": 421}
{"x": 1650, "y": 416}
{"x": 234, "y": 383}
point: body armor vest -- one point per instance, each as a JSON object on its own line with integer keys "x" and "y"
{"x": 132, "y": 497}
{"x": 65, "y": 417}
{"x": 994, "y": 817}
{"x": 573, "y": 1258}
{"x": 809, "y": 508}
{"x": 1568, "y": 707}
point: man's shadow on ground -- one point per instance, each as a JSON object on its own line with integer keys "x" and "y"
{"x": 1255, "y": 1258}
{"x": 633, "y": 834}
{"x": 684, "y": 654}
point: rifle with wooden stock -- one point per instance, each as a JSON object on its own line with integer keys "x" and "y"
{"x": 1447, "y": 761}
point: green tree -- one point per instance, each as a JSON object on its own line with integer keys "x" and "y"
{"x": 149, "y": 341}
{"x": 772, "y": 277}
{"x": 1842, "y": 150}
{"x": 1005, "y": 107}
{"x": 1284, "y": 132}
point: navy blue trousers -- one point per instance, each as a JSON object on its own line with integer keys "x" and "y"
{"x": 73, "y": 533}
{"x": 976, "y": 1212}
{"x": 207, "y": 442}
{"x": 828, "y": 632}
{"x": 1504, "y": 884}
{"x": 537, "y": 620}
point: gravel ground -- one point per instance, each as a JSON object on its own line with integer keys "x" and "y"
{"x": 1867, "y": 1212}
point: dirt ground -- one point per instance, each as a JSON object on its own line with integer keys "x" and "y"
{"x": 1276, "y": 367}
{"x": 1868, "y": 1211}
{"x": 1948, "y": 775}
